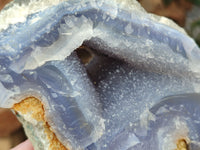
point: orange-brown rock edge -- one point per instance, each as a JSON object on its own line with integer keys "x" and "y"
{"x": 34, "y": 106}
{"x": 182, "y": 145}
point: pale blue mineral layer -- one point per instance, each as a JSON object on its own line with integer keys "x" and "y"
{"x": 139, "y": 91}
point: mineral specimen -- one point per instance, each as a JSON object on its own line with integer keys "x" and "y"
{"x": 99, "y": 75}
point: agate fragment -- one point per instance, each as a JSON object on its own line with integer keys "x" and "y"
{"x": 137, "y": 87}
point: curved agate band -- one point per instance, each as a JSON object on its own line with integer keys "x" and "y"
{"x": 99, "y": 19}
{"x": 146, "y": 61}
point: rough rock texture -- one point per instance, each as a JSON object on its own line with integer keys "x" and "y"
{"x": 139, "y": 89}
{"x": 33, "y": 108}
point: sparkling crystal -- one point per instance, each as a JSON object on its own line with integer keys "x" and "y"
{"x": 87, "y": 74}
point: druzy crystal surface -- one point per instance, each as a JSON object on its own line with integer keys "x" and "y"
{"x": 138, "y": 88}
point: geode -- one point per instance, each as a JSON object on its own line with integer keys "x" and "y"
{"x": 99, "y": 75}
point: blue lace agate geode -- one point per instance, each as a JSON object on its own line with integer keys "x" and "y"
{"x": 138, "y": 91}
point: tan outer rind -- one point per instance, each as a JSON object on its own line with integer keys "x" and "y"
{"x": 33, "y": 106}
{"x": 182, "y": 145}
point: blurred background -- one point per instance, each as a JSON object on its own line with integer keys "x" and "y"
{"x": 185, "y": 13}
